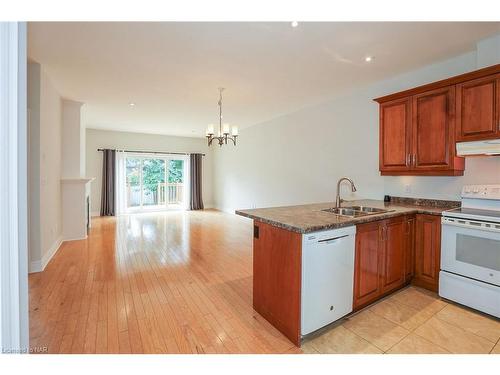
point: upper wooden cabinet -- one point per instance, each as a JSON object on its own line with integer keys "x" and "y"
{"x": 478, "y": 109}
{"x": 433, "y": 126}
{"x": 419, "y": 127}
{"x": 395, "y": 134}
{"x": 417, "y": 135}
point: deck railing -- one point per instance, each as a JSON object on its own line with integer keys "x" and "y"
{"x": 166, "y": 193}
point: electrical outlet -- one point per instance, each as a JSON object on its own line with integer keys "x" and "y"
{"x": 407, "y": 188}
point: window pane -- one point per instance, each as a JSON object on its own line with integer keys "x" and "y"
{"x": 153, "y": 181}
{"x": 133, "y": 176}
{"x": 176, "y": 171}
{"x": 175, "y": 193}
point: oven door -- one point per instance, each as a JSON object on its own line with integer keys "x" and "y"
{"x": 471, "y": 248}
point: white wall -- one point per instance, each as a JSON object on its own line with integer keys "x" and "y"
{"x": 34, "y": 245}
{"x": 44, "y": 165}
{"x": 148, "y": 142}
{"x": 73, "y": 133}
{"x": 297, "y": 158}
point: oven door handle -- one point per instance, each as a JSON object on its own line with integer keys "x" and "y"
{"x": 480, "y": 226}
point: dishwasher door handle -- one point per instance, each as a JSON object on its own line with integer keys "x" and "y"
{"x": 333, "y": 239}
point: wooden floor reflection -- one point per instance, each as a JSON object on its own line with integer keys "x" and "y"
{"x": 173, "y": 282}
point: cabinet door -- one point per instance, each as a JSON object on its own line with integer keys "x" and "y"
{"x": 366, "y": 268}
{"x": 428, "y": 251}
{"x": 478, "y": 104}
{"x": 395, "y": 135}
{"x": 392, "y": 273}
{"x": 410, "y": 248}
{"x": 433, "y": 130}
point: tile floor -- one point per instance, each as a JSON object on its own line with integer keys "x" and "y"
{"x": 411, "y": 321}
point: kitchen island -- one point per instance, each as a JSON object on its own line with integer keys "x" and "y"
{"x": 384, "y": 253}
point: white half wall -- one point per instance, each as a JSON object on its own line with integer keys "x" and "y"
{"x": 298, "y": 158}
{"x": 45, "y": 132}
{"x": 142, "y": 142}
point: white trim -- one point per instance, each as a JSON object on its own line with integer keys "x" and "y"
{"x": 39, "y": 265}
{"x": 75, "y": 239}
{"x": 95, "y": 213}
{"x": 14, "y": 336}
{"x": 122, "y": 207}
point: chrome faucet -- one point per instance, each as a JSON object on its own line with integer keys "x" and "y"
{"x": 338, "y": 201}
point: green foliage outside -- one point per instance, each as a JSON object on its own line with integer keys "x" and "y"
{"x": 153, "y": 172}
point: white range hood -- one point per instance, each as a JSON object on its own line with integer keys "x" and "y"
{"x": 487, "y": 147}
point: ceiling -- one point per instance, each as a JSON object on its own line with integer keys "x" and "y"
{"x": 171, "y": 70}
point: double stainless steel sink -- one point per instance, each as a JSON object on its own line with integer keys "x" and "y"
{"x": 356, "y": 211}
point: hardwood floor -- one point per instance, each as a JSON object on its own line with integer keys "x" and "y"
{"x": 175, "y": 282}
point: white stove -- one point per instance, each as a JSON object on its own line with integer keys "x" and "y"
{"x": 470, "y": 250}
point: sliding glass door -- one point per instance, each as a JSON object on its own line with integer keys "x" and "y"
{"x": 154, "y": 182}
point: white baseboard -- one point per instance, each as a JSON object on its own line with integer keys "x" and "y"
{"x": 95, "y": 213}
{"x": 35, "y": 266}
{"x": 39, "y": 265}
{"x": 75, "y": 239}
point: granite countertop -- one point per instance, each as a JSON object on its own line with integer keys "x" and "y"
{"x": 310, "y": 217}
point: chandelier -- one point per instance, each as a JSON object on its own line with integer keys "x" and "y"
{"x": 223, "y": 133}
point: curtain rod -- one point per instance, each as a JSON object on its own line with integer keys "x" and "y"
{"x": 155, "y": 152}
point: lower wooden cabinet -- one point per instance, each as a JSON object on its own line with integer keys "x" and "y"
{"x": 380, "y": 259}
{"x": 410, "y": 247}
{"x": 277, "y": 264}
{"x": 392, "y": 273}
{"x": 390, "y": 253}
{"x": 427, "y": 251}
{"x": 366, "y": 263}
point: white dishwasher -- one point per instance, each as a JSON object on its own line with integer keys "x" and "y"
{"x": 327, "y": 277}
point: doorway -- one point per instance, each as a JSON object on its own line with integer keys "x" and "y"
{"x": 155, "y": 182}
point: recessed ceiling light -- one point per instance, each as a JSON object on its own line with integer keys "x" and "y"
{"x": 131, "y": 104}
{"x": 368, "y": 58}
{"x": 295, "y": 24}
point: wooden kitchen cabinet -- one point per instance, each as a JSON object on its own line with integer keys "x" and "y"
{"x": 366, "y": 263}
{"x": 410, "y": 223}
{"x": 417, "y": 135}
{"x": 277, "y": 264}
{"x": 392, "y": 274}
{"x": 379, "y": 259}
{"x": 478, "y": 109}
{"x": 427, "y": 251}
{"x": 390, "y": 253}
{"x": 433, "y": 132}
{"x": 395, "y": 135}
{"x": 419, "y": 127}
